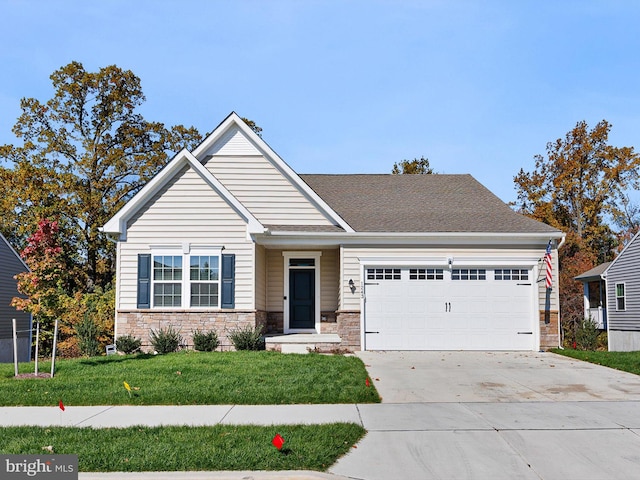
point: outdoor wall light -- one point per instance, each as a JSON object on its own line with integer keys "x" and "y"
{"x": 450, "y": 262}
{"x": 351, "y": 284}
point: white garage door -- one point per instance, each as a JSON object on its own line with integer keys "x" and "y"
{"x": 419, "y": 308}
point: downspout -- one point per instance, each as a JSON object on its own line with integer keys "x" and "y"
{"x": 559, "y": 323}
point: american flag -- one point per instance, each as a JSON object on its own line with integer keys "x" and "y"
{"x": 547, "y": 261}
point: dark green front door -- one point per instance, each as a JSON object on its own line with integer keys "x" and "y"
{"x": 302, "y": 306}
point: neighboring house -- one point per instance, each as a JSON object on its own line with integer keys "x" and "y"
{"x": 621, "y": 282}
{"x": 10, "y": 265}
{"x": 595, "y": 294}
{"x": 229, "y": 235}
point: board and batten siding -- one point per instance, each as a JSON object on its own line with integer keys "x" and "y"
{"x": 11, "y": 265}
{"x": 625, "y": 270}
{"x": 256, "y": 182}
{"x": 329, "y": 267}
{"x": 351, "y": 266}
{"x": 186, "y": 210}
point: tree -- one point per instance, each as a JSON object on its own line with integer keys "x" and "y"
{"x": 85, "y": 152}
{"x": 579, "y": 185}
{"x": 415, "y": 166}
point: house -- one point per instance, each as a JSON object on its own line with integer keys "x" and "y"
{"x": 595, "y": 294}
{"x": 229, "y": 235}
{"x": 10, "y": 265}
{"x": 620, "y": 284}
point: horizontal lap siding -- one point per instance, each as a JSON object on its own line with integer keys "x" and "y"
{"x": 186, "y": 210}
{"x": 625, "y": 270}
{"x": 329, "y": 266}
{"x": 10, "y": 265}
{"x": 259, "y": 185}
{"x": 261, "y": 278}
{"x": 351, "y": 268}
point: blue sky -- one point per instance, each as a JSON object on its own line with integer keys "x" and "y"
{"x": 478, "y": 87}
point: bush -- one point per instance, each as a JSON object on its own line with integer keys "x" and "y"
{"x": 205, "y": 341}
{"x": 87, "y": 332}
{"x": 587, "y": 335}
{"x": 128, "y": 344}
{"x": 247, "y": 338}
{"x": 165, "y": 340}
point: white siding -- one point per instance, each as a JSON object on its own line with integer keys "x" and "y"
{"x": 263, "y": 189}
{"x": 351, "y": 268}
{"x": 261, "y": 277}
{"x": 186, "y": 210}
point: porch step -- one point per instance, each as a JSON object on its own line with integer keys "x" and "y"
{"x": 301, "y": 342}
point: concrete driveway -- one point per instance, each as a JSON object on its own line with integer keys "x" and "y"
{"x": 477, "y": 415}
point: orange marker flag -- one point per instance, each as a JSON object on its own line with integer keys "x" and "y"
{"x": 61, "y": 405}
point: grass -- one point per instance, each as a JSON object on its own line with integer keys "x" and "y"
{"x": 307, "y": 447}
{"x": 193, "y": 378}
{"x": 625, "y": 361}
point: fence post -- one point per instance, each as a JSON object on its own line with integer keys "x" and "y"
{"x": 37, "y": 344}
{"x": 55, "y": 344}
{"x": 15, "y": 347}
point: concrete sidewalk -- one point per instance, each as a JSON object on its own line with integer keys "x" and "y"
{"x": 529, "y": 440}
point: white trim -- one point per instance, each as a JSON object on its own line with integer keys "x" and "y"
{"x": 288, "y": 255}
{"x": 233, "y": 119}
{"x": 624, "y": 296}
{"x": 117, "y": 223}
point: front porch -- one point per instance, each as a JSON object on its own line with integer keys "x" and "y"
{"x": 303, "y": 342}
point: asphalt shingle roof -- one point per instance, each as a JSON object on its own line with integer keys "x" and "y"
{"x": 419, "y": 203}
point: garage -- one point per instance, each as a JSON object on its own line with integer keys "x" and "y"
{"x": 460, "y": 308}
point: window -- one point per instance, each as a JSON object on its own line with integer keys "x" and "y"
{"x": 468, "y": 274}
{"x": 511, "y": 274}
{"x": 383, "y": 274}
{"x": 620, "y": 296}
{"x": 188, "y": 280}
{"x": 426, "y": 274}
{"x": 167, "y": 281}
{"x": 204, "y": 276}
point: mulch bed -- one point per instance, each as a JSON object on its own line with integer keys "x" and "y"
{"x": 33, "y": 375}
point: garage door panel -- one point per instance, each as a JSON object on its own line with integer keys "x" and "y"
{"x": 445, "y": 314}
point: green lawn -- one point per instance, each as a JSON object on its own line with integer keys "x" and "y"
{"x": 193, "y": 378}
{"x": 625, "y": 361}
{"x": 223, "y": 447}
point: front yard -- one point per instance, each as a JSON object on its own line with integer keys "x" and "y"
{"x": 193, "y": 378}
{"x": 625, "y": 361}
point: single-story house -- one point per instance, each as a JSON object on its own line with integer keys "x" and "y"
{"x": 10, "y": 265}
{"x": 620, "y": 284}
{"x": 229, "y": 235}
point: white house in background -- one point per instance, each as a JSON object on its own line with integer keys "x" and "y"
{"x": 595, "y": 294}
{"x": 230, "y": 235}
{"x": 10, "y": 265}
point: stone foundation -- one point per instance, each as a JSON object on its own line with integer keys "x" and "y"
{"x": 140, "y": 323}
{"x": 349, "y": 329}
{"x": 275, "y": 322}
{"x": 549, "y": 333}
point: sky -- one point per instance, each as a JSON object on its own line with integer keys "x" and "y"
{"x": 341, "y": 86}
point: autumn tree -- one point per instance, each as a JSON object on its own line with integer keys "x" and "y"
{"x": 415, "y": 166}
{"x": 84, "y": 153}
{"x": 579, "y": 187}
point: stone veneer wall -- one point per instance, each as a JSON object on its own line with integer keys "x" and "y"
{"x": 349, "y": 329}
{"x": 549, "y": 333}
{"x": 139, "y": 324}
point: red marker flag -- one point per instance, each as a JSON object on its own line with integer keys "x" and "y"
{"x": 278, "y": 441}
{"x": 61, "y": 405}
{"x": 367, "y": 383}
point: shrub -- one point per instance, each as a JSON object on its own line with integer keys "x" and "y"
{"x": 587, "y": 335}
{"x": 205, "y": 341}
{"x": 165, "y": 340}
{"x": 87, "y": 332}
{"x": 128, "y": 344}
{"x": 247, "y": 338}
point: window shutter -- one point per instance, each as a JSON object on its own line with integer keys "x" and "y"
{"x": 144, "y": 280}
{"x": 228, "y": 280}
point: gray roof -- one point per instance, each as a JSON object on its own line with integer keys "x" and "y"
{"x": 594, "y": 273}
{"x": 420, "y": 203}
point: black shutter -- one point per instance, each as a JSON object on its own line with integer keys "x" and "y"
{"x": 144, "y": 280}
{"x": 228, "y": 280}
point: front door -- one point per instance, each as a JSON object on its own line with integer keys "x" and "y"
{"x": 302, "y": 288}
